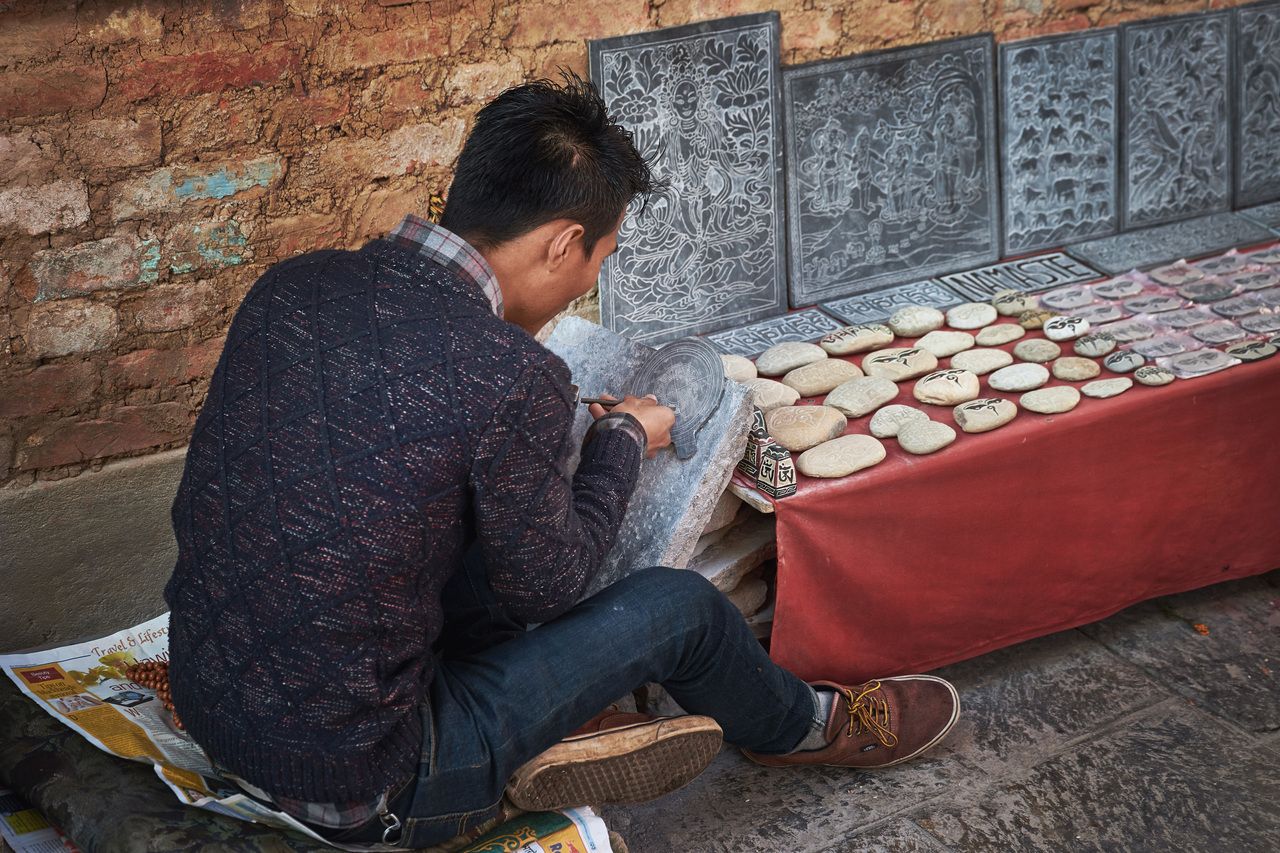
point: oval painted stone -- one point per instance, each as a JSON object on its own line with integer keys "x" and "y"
{"x": 1094, "y": 345}
{"x": 915, "y": 320}
{"x": 1261, "y": 324}
{"x": 1034, "y": 319}
{"x": 1000, "y": 333}
{"x": 1011, "y": 303}
{"x": 1073, "y": 369}
{"x": 1103, "y": 388}
{"x": 783, "y": 358}
{"x": 1130, "y": 330}
{"x": 947, "y": 387}
{"x": 1066, "y": 298}
{"x": 738, "y": 369}
{"x": 886, "y": 422}
{"x": 1117, "y": 288}
{"x": 1201, "y": 362}
{"x": 769, "y": 394}
{"x": 1153, "y": 304}
{"x": 899, "y": 363}
{"x": 1019, "y": 377}
{"x": 857, "y": 338}
{"x": 1254, "y": 280}
{"x": 1152, "y": 374}
{"x": 1210, "y": 290}
{"x": 1218, "y": 332}
{"x": 1221, "y": 265}
{"x": 982, "y": 360}
{"x": 971, "y": 315}
{"x": 797, "y": 428}
{"x": 858, "y": 397}
{"x": 942, "y": 344}
{"x": 821, "y": 377}
{"x": 1266, "y": 256}
{"x": 1176, "y": 275}
{"x": 1051, "y": 401}
{"x": 1036, "y": 350}
{"x": 1252, "y": 350}
{"x": 1103, "y": 312}
{"x": 922, "y": 437}
{"x": 1065, "y": 328}
{"x": 841, "y": 456}
{"x": 1185, "y": 318}
{"x": 984, "y": 414}
{"x": 1124, "y": 361}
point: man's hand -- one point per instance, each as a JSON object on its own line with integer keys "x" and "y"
{"x": 656, "y": 419}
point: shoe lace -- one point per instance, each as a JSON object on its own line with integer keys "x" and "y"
{"x": 869, "y": 712}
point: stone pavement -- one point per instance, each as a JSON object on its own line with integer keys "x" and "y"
{"x": 1135, "y": 733}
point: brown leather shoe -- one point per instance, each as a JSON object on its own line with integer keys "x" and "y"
{"x": 617, "y": 758}
{"x": 880, "y": 723}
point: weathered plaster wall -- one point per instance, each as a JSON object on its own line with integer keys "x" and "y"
{"x": 155, "y": 157}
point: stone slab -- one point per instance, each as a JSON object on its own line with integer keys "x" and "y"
{"x": 1060, "y": 139}
{"x": 1151, "y": 247}
{"x": 1232, "y": 671}
{"x": 879, "y": 305}
{"x": 740, "y": 551}
{"x": 1175, "y": 148}
{"x": 1170, "y": 779}
{"x": 725, "y": 511}
{"x": 752, "y": 498}
{"x": 703, "y": 105}
{"x": 1029, "y": 275}
{"x": 1257, "y": 153}
{"x": 673, "y": 499}
{"x": 808, "y": 325}
{"x": 864, "y": 209}
{"x": 1266, "y": 215}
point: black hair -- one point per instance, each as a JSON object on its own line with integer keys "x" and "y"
{"x": 539, "y": 152}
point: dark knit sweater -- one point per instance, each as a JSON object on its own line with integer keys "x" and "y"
{"x": 369, "y": 419}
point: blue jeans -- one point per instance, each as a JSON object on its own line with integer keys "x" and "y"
{"x": 503, "y": 694}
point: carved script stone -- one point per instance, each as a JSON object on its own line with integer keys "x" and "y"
{"x": 841, "y": 456}
{"x": 923, "y": 437}
{"x": 982, "y": 361}
{"x": 797, "y": 428}
{"x": 886, "y": 422}
{"x": 942, "y": 344}
{"x": 1019, "y": 377}
{"x": 858, "y": 338}
{"x": 899, "y": 363}
{"x": 1000, "y": 333}
{"x": 821, "y": 377}
{"x": 858, "y": 397}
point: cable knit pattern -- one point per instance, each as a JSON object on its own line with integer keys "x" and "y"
{"x": 368, "y": 419}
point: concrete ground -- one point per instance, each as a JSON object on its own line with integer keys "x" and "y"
{"x": 1136, "y": 733}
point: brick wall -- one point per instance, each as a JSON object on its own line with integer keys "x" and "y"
{"x": 155, "y": 157}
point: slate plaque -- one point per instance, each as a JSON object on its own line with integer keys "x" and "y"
{"x": 1176, "y": 149}
{"x": 1264, "y": 214}
{"x": 1031, "y": 275}
{"x": 1258, "y": 104}
{"x": 673, "y": 499}
{"x": 891, "y": 165}
{"x": 703, "y": 105}
{"x": 1059, "y": 139}
{"x": 880, "y": 304}
{"x": 1166, "y": 243}
{"x": 807, "y": 325}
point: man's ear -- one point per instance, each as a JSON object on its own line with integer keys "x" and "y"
{"x": 564, "y": 241}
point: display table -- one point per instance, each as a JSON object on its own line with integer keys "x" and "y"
{"x": 1049, "y": 522}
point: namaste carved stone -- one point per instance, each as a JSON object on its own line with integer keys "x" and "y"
{"x": 782, "y": 358}
{"x": 820, "y": 377}
{"x": 1019, "y": 377}
{"x": 943, "y": 344}
{"x": 984, "y": 414}
{"x": 1252, "y": 350}
{"x": 738, "y": 368}
{"x": 1103, "y": 388}
{"x": 982, "y": 360}
{"x": 1036, "y": 350}
{"x": 1050, "y": 401}
{"x": 899, "y": 363}
{"x": 914, "y": 320}
{"x": 861, "y": 396}
{"x": 1153, "y": 374}
{"x": 1094, "y": 345}
{"x": 971, "y": 315}
{"x": 1065, "y": 328}
{"x": 769, "y": 394}
{"x": 858, "y": 338}
{"x": 923, "y": 437}
{"x": 1073, "y": 369}
{"x": 1124, "y": 361}
{"x": 841, "y": 456}
{"x": 886, "y": 422}
{"x": 1000, "y": 333}
{"x": 797, "y": 428}
{"x": 947, "y": 387}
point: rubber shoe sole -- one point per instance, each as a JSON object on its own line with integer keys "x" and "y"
{"x": 630, "y": 764}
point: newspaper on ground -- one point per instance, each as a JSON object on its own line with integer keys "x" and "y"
{"x": 25, "y": 830}
{"x": 85, "y": 686}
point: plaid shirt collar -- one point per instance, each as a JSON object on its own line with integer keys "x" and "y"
{"x": 451, "y": 252}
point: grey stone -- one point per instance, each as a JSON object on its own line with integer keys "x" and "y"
{"x": 879, "y": 305}
{"x": 688, "y": 376}
{"x": 797, "y": 428}
{"x": 1254, "y": 279}
{"x": 1257, "y": 159}
{"x": 923, "y": 437}
{"x": 1261, "y": 324}
{"x": 1103, "y": 388}
{"x": 1050, "y": 401}
{"x": 1218, "y": 332}
{"x": 673, "y": 499}
{"x": 769, "y": 394}
{"x": 1000, "y": 333}
{"x": 886, "y": 422}
{"x": 1251, "y": 351}
{"x": 1074, "y": 369}
{"x": 752, "y": 498}
{"x": 1206, "y": 291}
{"x": 1117, "y": 288}
{"x": 1153, "y": 375}
{"x": 742, "y": 550}
{"x": 782, "y": 358}
{"x": 749, "y": 595}
{"x": 1147, "y": 246}
{"x": 1153, "y": 304}
{"x": 899, "y": 363}
{"x": 738, "y": 368}
{"x": 808, "y": 325}
{"x": 1019, "y": 377}
{"x": 942, "y": 344}
{"x": 857, "y": 338}
{"x": 841, "y": 456}
{"x": 1127, "y": 331}
{"x": 1163, "y": 345}
{"x": 1094, "y": 345}
{"x": 971, "y": 315}
{"x": 1037, "y": 350}
{"x": 820, "y": 377}
{"x": 1269, "y": 256}
{"x": 1200, "y": 363}
{"x": 688, "y": 250}
{"x": 1066, "y": 298}
{"x": 982, "y": 361}
{"x": 1185, "y": 318}
{"x": 1222, "y": 264}
{"x": 861, "y": 396}
{"x": 984, "y": 414}
{"x": 915, "y": 320}
{"x": 727, "y": 507}
{"x": 947, "y": 387}
{"x": 1031, "y": 275}
{"x": 1123, "y": 361}
{"x": 1102, "y": 312}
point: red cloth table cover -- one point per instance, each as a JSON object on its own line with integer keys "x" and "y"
{"x": 1049, "y": 522}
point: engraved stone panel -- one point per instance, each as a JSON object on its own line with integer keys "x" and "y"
{"x": 1150, "y": 246}
{"x": 1030, "y": 275}
{"x": 890, "y": 167}
{"x": 808, "y": 325}
{"x": 702, "y": 103}
{"x": 1264, "y": 214}
{"x": 1258, "y": 104}
{"x": 1176, "y": 148}
{"x": 880, "y": 304}
{"x": 1060, "y": 139}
